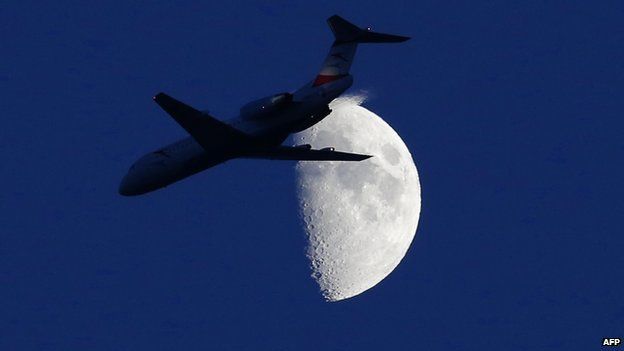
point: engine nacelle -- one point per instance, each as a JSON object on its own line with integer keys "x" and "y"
{"x": 265, "y": 106}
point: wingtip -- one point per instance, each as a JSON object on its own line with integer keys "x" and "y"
{"x": 361, "y": 157}
{"x": 334, "y": 17}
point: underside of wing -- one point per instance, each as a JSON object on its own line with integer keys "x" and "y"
{"x": 303, "y": 154}
{"x": 209, "y": 132}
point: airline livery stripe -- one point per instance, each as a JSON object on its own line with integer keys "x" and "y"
{"x": 323, "y": 79}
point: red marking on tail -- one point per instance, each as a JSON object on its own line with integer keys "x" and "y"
{"x": 323, "y": 79}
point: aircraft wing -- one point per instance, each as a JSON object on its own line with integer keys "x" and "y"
{"x": 205, "y": 129}
{"x": 214, "y": 135}
{"x": 302, "y": 154}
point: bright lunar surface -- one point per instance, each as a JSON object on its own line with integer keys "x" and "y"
{"x": 360, "y": 217}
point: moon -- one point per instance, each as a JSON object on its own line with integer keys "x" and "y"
{"x": 360, "y": 217}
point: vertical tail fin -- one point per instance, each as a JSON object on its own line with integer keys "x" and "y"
{"x": 347, "y": 36}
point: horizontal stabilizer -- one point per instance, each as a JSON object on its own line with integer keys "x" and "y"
{"x": 304, "y": 154}
{"x": 206, "y": 130}
{"x": 345, "y": 32}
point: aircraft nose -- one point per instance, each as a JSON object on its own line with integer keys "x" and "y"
{"x": 127, "y": 187}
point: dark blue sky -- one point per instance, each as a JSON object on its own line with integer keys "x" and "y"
{"x": 512, "y": 111}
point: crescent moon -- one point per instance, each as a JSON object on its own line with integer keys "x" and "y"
{"x": 360, "y": 217}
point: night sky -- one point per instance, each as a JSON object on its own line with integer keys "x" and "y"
{"x": 512, "y": 112}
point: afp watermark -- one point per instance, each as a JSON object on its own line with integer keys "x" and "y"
{"x": 611, "y": 341}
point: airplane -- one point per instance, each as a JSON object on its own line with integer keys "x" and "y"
{"x": 262, "y": 125}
